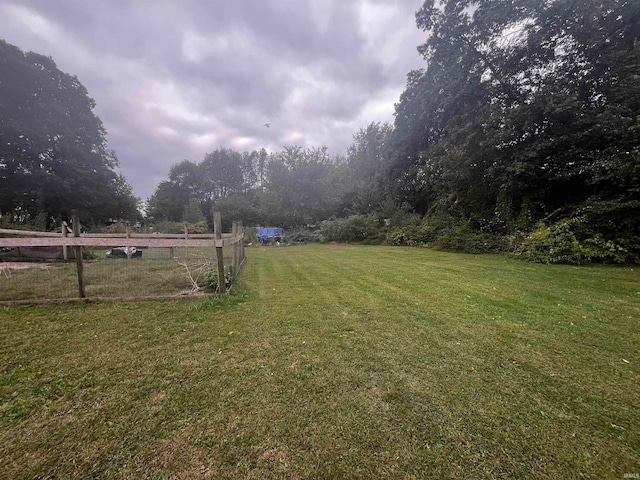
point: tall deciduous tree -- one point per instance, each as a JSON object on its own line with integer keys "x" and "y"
{"x": 302, "y": 186}
{"x": 523, "y": 106}
{"x": 53, "y": 148}
{"x": 366, "y": 169}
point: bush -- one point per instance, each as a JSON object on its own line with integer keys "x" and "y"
{"x": 417, "y": 232}
{"x": 555, "y": 244}
{"x": 210, "y": 279}
{"x": 356, "y": 228}
{"x": 442, "y": 233}
{"x": 178, "y": 227}
{"x": 600, "y": 250}
{"x": 304, "y": 235}
{"x": 463, "y": 239}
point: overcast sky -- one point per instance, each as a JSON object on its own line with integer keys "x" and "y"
{"x": 175, "y": 79}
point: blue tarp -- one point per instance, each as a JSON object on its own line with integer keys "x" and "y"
{"x": 266, "y": 234}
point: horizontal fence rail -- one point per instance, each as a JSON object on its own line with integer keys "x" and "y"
{"x": 108, "y": 240}
{"x": 167, "y": 259}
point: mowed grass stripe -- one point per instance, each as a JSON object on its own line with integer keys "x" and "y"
{"x": 358, "y": 362}
{"x": 515, "y": 292}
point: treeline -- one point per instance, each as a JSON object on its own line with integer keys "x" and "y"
{"x": 291, "y": 188}
{"x": 522, "y": 132}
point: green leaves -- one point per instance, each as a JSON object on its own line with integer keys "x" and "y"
{"x": 53, "y": 148}
{"x": 522, "y": 104}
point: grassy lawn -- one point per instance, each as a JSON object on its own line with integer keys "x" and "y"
{"x": 357, "y": 362}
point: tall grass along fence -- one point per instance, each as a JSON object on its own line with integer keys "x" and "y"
{"x": 67, "y": 265}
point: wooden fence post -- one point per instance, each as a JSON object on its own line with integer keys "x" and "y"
{"x": 186, "y": 238}
{"x": 234, "y": 247}
{"x": 128, "y": 245}
{"x": 65, "y": 254}
{"x": 241, "y": 243}
{"x": 78, "y": 251}
{"x": 217, "y": 228}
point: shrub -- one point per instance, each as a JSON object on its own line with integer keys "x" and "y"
{"x": 416, "y": 232}
{"x": 178, "y": 227}
{"x": 304, "y": 235}
{"x": 210, "y": 279}
{"x": 554, "y": 244}
{"x": 600, "y": 250}
{"x": 356, "y": 228}
{"x": 462, "y": 239}
{"x": 442, "y": 233}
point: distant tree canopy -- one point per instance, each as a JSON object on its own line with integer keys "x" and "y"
{"x": 294, "y": 187}
{"x": 53, "y": 149}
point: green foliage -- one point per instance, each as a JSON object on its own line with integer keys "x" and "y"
{"x": 461, "y": 238}
{"x": 559, "y": 243}
{"x": 178, "y": 227}
{"x": 600, "y": 250}
{"x": 192, "y": 213}
{"x": 353, "y": 229}
{"x": 117, "y": 227}
{"x": 304, "y": 235}
{"x": 554, "y": 244}
{"x": 53, "y": 149}
{"x": 508, "y": 131}
{"x": 440, "y": 232}
{"x": 35, "y": 224}
{"x": 210, "y": 279}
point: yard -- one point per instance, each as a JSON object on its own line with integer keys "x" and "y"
{"x": 335, "y": 362}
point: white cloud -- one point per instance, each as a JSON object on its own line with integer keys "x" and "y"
{"x": 197, "y": 46}
{"x": 377, "y": 26}
{"x": 167, "y": 101}
{"x": 244, "y": 143}
{"x": 204, "y": 142}
{"x": 30, "y": 20}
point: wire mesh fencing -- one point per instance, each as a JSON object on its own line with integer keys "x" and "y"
{"x": 38, "y": 267}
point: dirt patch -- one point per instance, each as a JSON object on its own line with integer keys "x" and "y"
{"x": 338, "y": 246}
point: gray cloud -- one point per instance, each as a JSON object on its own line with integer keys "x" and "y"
{"x": 177, "y": 79}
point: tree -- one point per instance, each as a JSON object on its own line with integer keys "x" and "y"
{"x": 301, "y": 186}
{"x": 168, "y": 202}
{"x": 366, "y": 168}
{"x": 53, "y": 148}
{"x": 519, "y": 104}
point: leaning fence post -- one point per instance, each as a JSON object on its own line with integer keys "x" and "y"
{"x": 217, "y": 228}
{"x": 78, "y": 251}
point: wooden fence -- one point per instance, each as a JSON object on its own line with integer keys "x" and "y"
{"x": 76, "y": 241}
